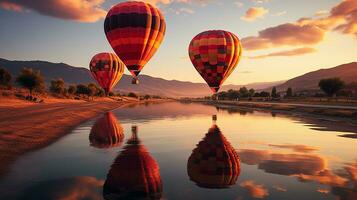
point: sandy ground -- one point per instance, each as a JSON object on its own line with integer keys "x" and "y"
{"x": 26, "y": 126}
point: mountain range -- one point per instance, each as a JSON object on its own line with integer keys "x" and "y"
{"x": 175, "y": 88}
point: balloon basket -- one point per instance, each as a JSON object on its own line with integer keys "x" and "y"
{"x": 135, "y": 81}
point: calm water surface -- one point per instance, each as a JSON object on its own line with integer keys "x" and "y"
{"x": 175, "y": 151}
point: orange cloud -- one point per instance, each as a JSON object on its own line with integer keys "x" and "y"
{"x": 284, "y": 35}
{"x": 307, "y": 31}
{"x": 10, "y": 6}
{"x": 293, "y": 52}
{"x": 83, "y": 187}
{"x": 254, "y": 13}
{"x": 78, "y": 10}
{"x": 154, "y": 2}
{"x": 295, "y": 147}
{"x": 255, "y": 190}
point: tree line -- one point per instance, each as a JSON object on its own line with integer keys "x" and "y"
{"x": 331, "y": 87}
{"x": 33, "y": 81}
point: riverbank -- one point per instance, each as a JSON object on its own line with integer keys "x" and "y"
{"x": 346, "y": 111}
{"x": 27, "y": 126}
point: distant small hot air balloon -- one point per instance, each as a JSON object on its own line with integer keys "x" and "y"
{"x": 215, "y": 54}
{"x": 214, "y": 163}
{"x": 134, "y": 174}
{"x": 107, "y": 69}
{"x": 135, "y": 31}
{"x": 106, "y": 132}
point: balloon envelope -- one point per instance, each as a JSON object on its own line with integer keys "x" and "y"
{"x": 215, "y": 54}
{"x": 214, "y": 163}
{"x": 107, "y": 69}
{"x": 135, "y": 31}
{"x": 134, "y": 174}
{"x": 106, "y": 132}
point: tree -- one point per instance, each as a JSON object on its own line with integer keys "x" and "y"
{"x": 289, "y": 92}
{"x": 251, "y": 92}
{"x": 147, "y": 96}
{"x": 273, "y": 92}
{"x": 132, "y": 94}
{"x": 58, "y": 86}
{"x": 82, "y": 89}
{"x": 71, "y": 89}
{"x": 264, "y": 94}
{"x": 243, "y": 92}
{"x": 5, "y": 77}
{"x": 331, "y": 85}
{"x": 92, "y": 89}
{"x": 30, "y": 79}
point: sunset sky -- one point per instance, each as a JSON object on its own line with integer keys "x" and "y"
{"x": 281, "y": 39}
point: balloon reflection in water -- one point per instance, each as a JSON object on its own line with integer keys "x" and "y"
{"x": 134, "y": 173}
{"x": 106, "y": 132}
{"x": 214, "y": 163}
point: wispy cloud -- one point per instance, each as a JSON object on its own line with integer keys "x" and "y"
{"x": 280, "y": 13}
{"x": 293, "y": 52}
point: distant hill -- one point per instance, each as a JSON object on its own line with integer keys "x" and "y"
{"x": 309, "y": 81}
{"x": 148, "y": 84}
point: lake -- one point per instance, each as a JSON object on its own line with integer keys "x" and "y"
{"x": 180, "y": 151}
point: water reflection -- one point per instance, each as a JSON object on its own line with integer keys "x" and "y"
{"x": 106, "y": 132}
{"x": 84, "y": 187}
{"x": 134, "y": 174}
{"x": 214, "y": 163}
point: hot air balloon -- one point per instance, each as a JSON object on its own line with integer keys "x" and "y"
{"x": 106, "y": 132}
{"x": 214, "y": 163}
{"x": 107, "y": 69}
{"x": 135, "y": 31}
{"x": 134, "y": 174}
{"x": 215, "y": 54}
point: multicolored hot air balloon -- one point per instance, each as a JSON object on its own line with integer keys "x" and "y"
{"x": 214, "y": 163}
{"x": 135, "y": 31}
{"x": 134, "y": 174}
{"x": 215, "y": 54}
{"x": 106, "y": 132}
{"x": 107, "y": 69}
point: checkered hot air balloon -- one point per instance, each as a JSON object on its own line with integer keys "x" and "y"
{"x": 106, "y": 132}
{"x": 215, "y": 54}
{"x": 135, "y": 31}
{"x": 134, "y": 174}
{"x": 107, "y": 69}
{"x": 214, "y": 163}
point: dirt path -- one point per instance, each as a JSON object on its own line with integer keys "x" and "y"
{"x": 26, "y": 126}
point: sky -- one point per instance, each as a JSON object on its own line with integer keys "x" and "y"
{"x": 281, "y": 39}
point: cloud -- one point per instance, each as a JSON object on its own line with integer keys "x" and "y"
{"x": 306, "y": 31}
{"x": 155, "y": 2}
{"x": 238, "y": 4}
{"x": 78, "y": 10}
{"x": 321, "y": 13}
{"x": 284, "y": 35}
{"x": 184, "y": 10}
{"x": 254, "y": 13}
{"x": 7, "y": 5}
{"x": 83, "y": 187}
{"x": 255, "y": 190}
{"x": 279, "y": 188}
{"x": 293, "y": 52}
{"x": 280, "y": 13}
{"x": 295, "y": 147}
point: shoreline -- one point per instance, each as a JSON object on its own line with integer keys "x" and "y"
{"x": 343, "y": 112}
{"x": 26, "y": 126}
